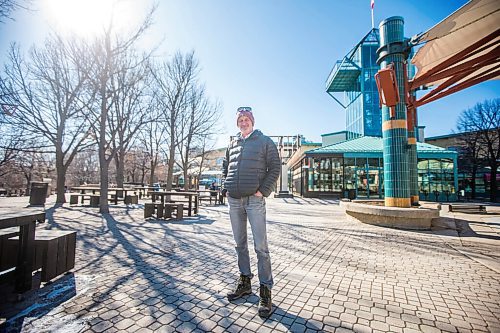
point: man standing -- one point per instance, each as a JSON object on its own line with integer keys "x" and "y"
{"x": 251, "y": 170}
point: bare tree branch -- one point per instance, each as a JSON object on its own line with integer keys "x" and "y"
{"x": 481, "y": 141}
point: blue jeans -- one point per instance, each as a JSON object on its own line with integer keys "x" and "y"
{"x": 253, "y": 208}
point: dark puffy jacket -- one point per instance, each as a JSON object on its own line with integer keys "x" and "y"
{"x": 251, "y": 165}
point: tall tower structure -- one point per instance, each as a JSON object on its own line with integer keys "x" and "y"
{"x": 397, "y": 146}
{"x": 352, "y": 84}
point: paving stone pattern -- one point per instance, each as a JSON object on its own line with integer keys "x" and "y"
{"x": 332, "y": 274}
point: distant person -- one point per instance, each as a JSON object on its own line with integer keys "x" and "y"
{"x": 251, "y": 170}
{"x": 213, "y": 192}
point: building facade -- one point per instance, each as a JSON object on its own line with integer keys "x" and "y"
{"x": 350, "y": 163}
{"x": 474, "y": 177}
{"x": 355, "y": 169}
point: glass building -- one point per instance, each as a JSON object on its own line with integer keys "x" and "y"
{"x": 355, "y": 169}
{"x": 350, "y": 163}
{"x": 351, "y": 83}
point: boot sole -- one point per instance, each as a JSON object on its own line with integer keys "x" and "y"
{"x": 239, "y": 296}
{"x": 265, "y": 313}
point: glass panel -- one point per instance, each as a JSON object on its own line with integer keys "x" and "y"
{"x": 361, "y": 162}
{"x": 374, "y": 182}
{"x": 447, "y": 164}
{"x": 362, "y": 183}
{"x": 337, "y": 178}
{"x": 349, "y": 176}
{"x": 423, "y": 164}
{"x": 316, "y": 172}
{"x": 311, "y": 174}
{"x": 325, "y": 179}
{"x": 435, "y": 174}
{"x": 373, "y": 163}
{"x": 434, "y": 164}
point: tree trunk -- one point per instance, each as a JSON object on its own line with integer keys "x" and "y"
{"x": 28, "y": 185}
{"x": 120, "y": 168}
{"x": 103, "y": 200}
{"x": 171, "y": 160}
{"x": 143, "y": 174}
{"x": 103, "y": 163}
{"x": 60, "y": 186}
{"x": 187, "y": 180}
{"x": 61, "y": 178}
{"x": 151, "y": 174}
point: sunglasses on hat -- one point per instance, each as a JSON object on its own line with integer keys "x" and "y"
{"x": 244, "y": 108}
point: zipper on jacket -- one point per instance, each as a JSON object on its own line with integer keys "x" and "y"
{"x": 239, "y": 163}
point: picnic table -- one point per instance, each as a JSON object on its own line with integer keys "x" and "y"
{"x": 26, "y": 220}
{"x": 143, "y": 190}
{"x": 214, "y": 195}
{"x": 193, "y": 198}
{"x": 96, "y": 189}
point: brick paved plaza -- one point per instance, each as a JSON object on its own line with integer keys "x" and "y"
{"x": 332, "y": 274}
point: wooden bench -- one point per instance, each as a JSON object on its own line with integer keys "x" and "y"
{"x": 151, "y": 207}
{"x": 94, "y": 199}
{"x": 208, "y": 198}
{"x": 8, "y": 255}
{"x": 178, "y": 208}
{"x": 131, "y": 200}
{"x": 468, "y": 208}
{"x": 54, "y": 252}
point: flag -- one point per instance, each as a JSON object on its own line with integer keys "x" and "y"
{"x": 372, "y": 3}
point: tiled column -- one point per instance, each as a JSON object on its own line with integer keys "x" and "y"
{"x": 394, "y": 130}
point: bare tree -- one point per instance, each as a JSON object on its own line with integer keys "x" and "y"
{"x": 153, "y": 139}
{"x": 47, "y": 94}
{"x": 9, "y": 6}
{"x": 33, "y": 165}
{"x": 469, "y": 158}
{"x": 137, "y": 165}
{"x": 175, "y": 78}
{"x": 10, "y": 146}
{"x": 482, "y": 123}
{"x": 198, "y": 125}
{"x": 132, "y": 107}
{"x": 84, "y": 169}
{"x": 109, "y": 51}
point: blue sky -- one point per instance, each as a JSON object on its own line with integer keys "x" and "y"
{"x": 273, "y": 55}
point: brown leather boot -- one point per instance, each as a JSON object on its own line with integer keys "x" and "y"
{"x": 243, "y": 288}
{"x": 265, "y": 304}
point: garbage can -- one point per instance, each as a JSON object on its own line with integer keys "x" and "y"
{"x": 38, "y": 193}
{"x": 352, "y": 194}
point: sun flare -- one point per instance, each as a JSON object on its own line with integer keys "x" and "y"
{"x": 90, "y": 17}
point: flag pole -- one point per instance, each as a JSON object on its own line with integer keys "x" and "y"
{"x": 372, "y": 4}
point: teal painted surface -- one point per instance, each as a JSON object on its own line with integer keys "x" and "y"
{"x": 369, "y": 144}
{"x": 396, "y": 168}
{"x": 369, "y": 155}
